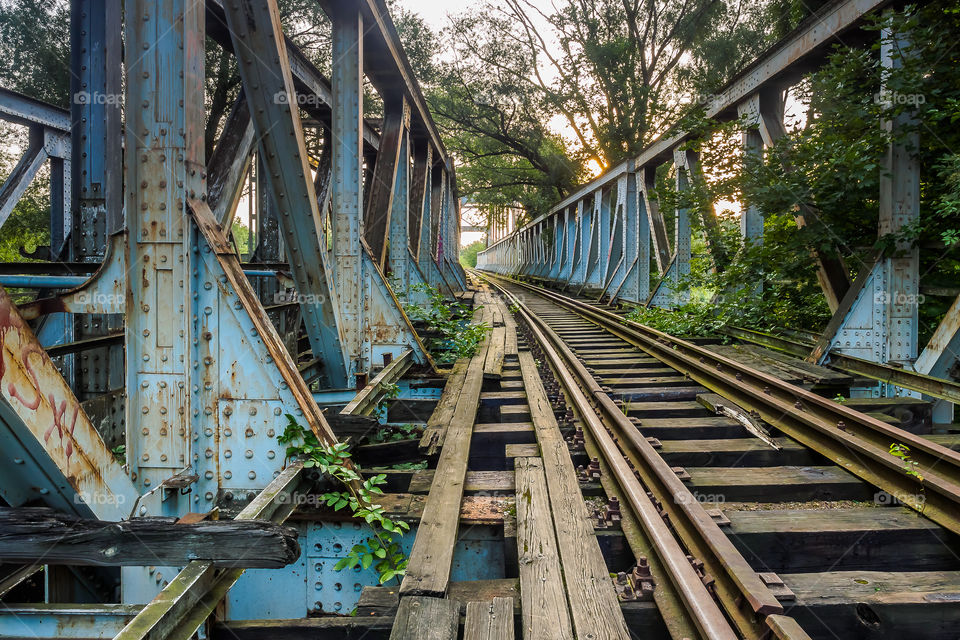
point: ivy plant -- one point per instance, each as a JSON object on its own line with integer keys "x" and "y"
{"x": 382, "y": 549}
{"x": 459, "y": 338}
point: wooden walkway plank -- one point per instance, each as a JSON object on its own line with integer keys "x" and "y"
{"x": 543, "y": 603}
{"x": 421, "y": 618}
{"x": 594, "y": 606}
{"x": 489, "y": 620}
{"x": 433, "y": 434}
{"x": 428, "y": 570}
{"x": 493, "y": 364}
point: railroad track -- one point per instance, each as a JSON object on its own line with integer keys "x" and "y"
{"x": 762, "y": 508}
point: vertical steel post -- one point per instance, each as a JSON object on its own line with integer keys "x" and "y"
{"x": 899, "y": 207}
{"x": 165, "y": 165}
{"x": 681, "y": 256}
{"x": 400, "y": 204}
{"x": 347, "y": 186}
{"x": 97, "y": 183}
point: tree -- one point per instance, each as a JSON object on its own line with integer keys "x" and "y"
{"x": 468, "y": 255}
{"x": 529, "y": 98}
{"x": 833, "y": 159}
{"x": 35, "y": 49}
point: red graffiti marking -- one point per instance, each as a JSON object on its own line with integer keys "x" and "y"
{"x": 12, "y": 324}
{"x": 59, "y": 426}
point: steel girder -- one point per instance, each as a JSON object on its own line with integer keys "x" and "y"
{"x": 877, "y": 320}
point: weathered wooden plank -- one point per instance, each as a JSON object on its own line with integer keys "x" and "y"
{"x": 423, "y": 618}
{"x": 422, "y": 480}
{"x": 732, "y": 452}
{"x": 40, "y": 534}
{"x": 433, "y": 434}
{"x": 383, "y": 601}
{"x": 339, "y": 628}
{"x": 428, "y": 570}
{"x": 522, "y": 450}
{"x": 775, "y": 484}
{"x": 489, "y": 620}
{"x": 861, "y": 604}
{"x": 821, "y": 375}
{"x": 366, "y": 400}
{"x": 864, "y": 538}
{"x": 493, "y": 364}
{"x": 594, "y": 606}
{"x": 543, "y": 602}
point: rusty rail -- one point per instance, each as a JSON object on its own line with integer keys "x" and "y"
{"x": 853, "y": 440}
{"x": 746, "y": 600}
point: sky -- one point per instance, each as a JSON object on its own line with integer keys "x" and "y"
{"x": 435, "y": 13}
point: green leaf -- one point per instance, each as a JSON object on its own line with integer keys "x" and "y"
{"x": 367, "y": 560}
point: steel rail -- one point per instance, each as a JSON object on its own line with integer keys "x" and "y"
{"x": 737, "y": 584}
{"x": 699, "y": 604}
{"x": 928, "y": 482}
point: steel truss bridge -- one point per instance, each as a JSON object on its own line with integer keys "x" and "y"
{"x": 148, "y": 368}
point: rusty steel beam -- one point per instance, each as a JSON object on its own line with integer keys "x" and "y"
{"x": 380, "y": 194}
{"x": 48, "y": 438}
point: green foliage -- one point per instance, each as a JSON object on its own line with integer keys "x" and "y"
{"x": 241, "y": 236}
{"x": 910, "y": 466}
{"x": 35, "y": 49}
{"x": 459, "y": 337}
{"x": 830, "y": 168}
{"x": 390, "y": 391}
{"x": 468, "y": 255}
{"x": 409, "y": 466}
{"x": 393, "y": 433}
{"x": 28, "y": 227}
{"x": 691, "y": 320}
{"x": 381, "y": 550}
{"x": 610, "y": 75}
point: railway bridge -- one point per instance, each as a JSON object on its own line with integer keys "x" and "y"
{"x": 337, "y": 431}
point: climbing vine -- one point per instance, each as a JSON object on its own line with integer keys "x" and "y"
{"x": 382, "y": 549}
{"x": 459, "y": 338}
